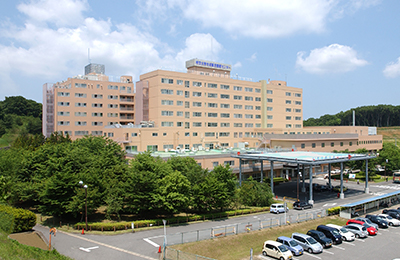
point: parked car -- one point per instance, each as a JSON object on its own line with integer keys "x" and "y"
{"x": 358, "y": 230}
{"x": 331, "y": 233}
{"x": 369, "y": 222}
{"x": 278, "y": 208}
{"x": 320, "y": 237}
{"x": 371, "y": 230}
{"x": 346, "y": 234}
{"x": 291, "y": 244}
{"x": 377, "y": 220}
{"x": 307, "y": 243}
{"x": 302, "y": 205}
{"x": 393, "y": 214}
{"x": 390, "y": 220}
{"x": 276, "y": 250}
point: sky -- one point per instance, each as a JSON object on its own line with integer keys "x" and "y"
{"x": 342, "y": 53}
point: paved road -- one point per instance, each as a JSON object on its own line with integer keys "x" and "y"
{"x": 144, "y": 244}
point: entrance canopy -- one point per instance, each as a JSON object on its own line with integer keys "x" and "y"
{"x": 304, "y": 158}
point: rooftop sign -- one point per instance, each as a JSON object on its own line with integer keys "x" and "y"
{"x": 208, "y": 64}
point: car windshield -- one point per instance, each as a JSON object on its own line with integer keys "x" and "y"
{"x": 293, "y": 243}
{"x": 364, "y": 229}
{"x": 388, "y": 217}
{"x": 283, "y": 248}
{"x": 343, "y": 230}
{"x": 368, "y": 221}
{"x": 311, "y": 240}
{"x": 335, "y": 232}
{"x": 322, "y": 236}
{"x": 379, "y": 218}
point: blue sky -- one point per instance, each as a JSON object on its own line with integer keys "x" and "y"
{"x": 343, "y": 54}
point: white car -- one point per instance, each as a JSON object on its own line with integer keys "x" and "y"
{"x": 346, "y": 235}
{"x": 391, "y": 221}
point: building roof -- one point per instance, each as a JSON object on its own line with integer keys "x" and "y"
{"x": 308, "y": 158}
{"x": 365, "y": 201}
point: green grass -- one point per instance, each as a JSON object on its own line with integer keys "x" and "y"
{"x": 10, "y": 249}
{"x": 238, "y": 246}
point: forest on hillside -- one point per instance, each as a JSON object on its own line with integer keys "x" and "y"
{"x": 19, "y": 115}
{"x": 379, "y": 116}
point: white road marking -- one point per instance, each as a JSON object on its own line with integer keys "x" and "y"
{"x": 312, "y": 255}
{"x": 151, "y": 242}
{"x": 88, "y": 249}
{"x": 339, "y": 247}
{"x": 360, "y": 239}
{"x": 326, "y": 251}
{"x": 349, "y": 243}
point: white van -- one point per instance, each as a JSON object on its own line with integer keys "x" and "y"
{"x": 276, "y": 250}
{"x": 278, "y": 208}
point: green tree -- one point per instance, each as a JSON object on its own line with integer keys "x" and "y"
{"x": 253, "y": 193}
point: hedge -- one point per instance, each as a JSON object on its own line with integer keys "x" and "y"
{"x": 18, "y": 220}
{"x": 334, "y": 211}
{"x": 114, "y": 226}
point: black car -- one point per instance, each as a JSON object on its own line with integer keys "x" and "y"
{"x": 320, "y": 237}
{"x": 377, "y": 220}
{"x": 302, "y": 205}
{"x": 393, "y": 214}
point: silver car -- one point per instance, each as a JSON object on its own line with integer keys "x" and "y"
{"x": 358, "y": 230}
{"x": 307, "y": 243}
{"x": 391, "y": 221}
{"x": 369, "y": 222}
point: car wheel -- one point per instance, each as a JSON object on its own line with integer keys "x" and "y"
{"x": 264, "y": 253}
{"x": 310, "y": 251}
{"x": 311, "y": 206}
{"x": 390, "y": 224}
{"x": 345, "y": 239}
{"x": 357, "y": 236}
{"x": 302, "y": 208}
{"x": 281, "y": 258}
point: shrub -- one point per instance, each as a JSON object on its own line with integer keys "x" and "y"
{"x": 20, "y": 219}
{"x": 334, "y": 211}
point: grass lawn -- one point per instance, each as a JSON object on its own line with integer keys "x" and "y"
{"x": 10, "y": 249}
{"x": 238, "y": 246}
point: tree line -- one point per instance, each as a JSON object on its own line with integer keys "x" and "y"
{"x": 20, "y": 115}
{"x": 45, "y": 173}
{"x": 379, "y": 116}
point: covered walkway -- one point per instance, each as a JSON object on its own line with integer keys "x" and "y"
{"x": 304, "y": 159}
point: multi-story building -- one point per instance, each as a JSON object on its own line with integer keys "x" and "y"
{"x": 84, "y": 105}
{"x": 205, "y": 108}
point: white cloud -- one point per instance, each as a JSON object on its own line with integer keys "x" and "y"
{"x": 53, "y": 53}
{"x": 392, "y": 70}
{"x": 237, "y": 65}
{"x": 260, "y": 18}
{"x": 334, "y": 58}
{"x": 253, "y": 57}
{"x": 59, "y": 12}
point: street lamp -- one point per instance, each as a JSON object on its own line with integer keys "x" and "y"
{"x": 165, "y": 235}
{"x": 385, "y": 168}
{"x": 85, "y": 187}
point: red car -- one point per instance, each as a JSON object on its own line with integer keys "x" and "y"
{"x": 371, "y": 230}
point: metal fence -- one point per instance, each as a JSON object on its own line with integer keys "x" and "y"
{"x": 173, "y": 254}
{"x": 234, "y": 229}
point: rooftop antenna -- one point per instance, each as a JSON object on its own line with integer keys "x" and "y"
{"x": 88, "y": 54}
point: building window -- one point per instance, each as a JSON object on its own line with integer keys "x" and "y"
{"x": 179, "y": 113}
{"x": 196, "y": 84}
{"x": 80, "y": 113}
{"x": 225, "y": 115}
{"x": 134, "y": 134}
{"x": 167, "y": 102}
{"x": 98, "y": 105}
{"x": 224, "y": 96}
{"x": 225, "y": 105}
{"x": 224, "y": 134}
{"x": 322, "y": 145}
{"x": 210, "y": 124}
{"x": 297, "y": 118}
{"x": 167, "y": 81}
{"x": 80, "y": 95}
{"x": 297, "y": 102}
{"x": 350, "y": 143}
{"x": 187, "y": 104}
{"x": 332, "y": 144}
{"x": 80, "y": 123}
{"x": 258, "y": 116}
{"x": 86, "y": 133}
{"x": 63, "y": 94}
{"x": 297, "y": 110}
{"x": 179, "y": 103}
{"x": 209, "y": 134}
{"x": 197, "y": 94}
{"x": 179, "y": 124}
{"x": 167, "y": 113}
{"x": 154, "y": 134}
{"x": 212, "y": 114}
{"x": 248, "y": 89}
{"x": 112, "y": 96}
{"x": 270, "y": 125}
{"x": 215, "y": 164}
{"x": 248, "y": 116}
{"x": 63, "y": 123}
{"x": 258, "y": 125}
{"x": 225, "y": 124}
{"x": 237, "y": 88}
{"x": 248, "y": 107}
{"x": 97, "y": 123}
{"x": 237, "y": 125}
{"x": 187, "y": 94}
{"x": 237, "y": 106}
{"x": 212, "y": 95}
{"x": 212, "y": 85}
{"x": 62, "y": 113}
{"x": 298, "y": 126}
{"x": 288, "y": 102}
{"x": 288, "y": 94}
{"x": 109, "y": 105}
{"x": 269, "y": 91}
{"x": 288, "y": 126}
{"x": 237, "y": 115}
{"x": 341, "y": 143}
{"x": 215, "y": 105}
{"x": 288, "y": 118}
{"x": 258, "y": 107}
{"x": 167, "y": 91}
{"x": 187, "y": 114}
{"x": 196, "y": 114}
{"x": 80, "y": 85}
{"x": 248, "y": 98}
{"x": 237, "y": 97}
{"x": 270, "y": 117}
{"x": 179, "y": 92}
{"x": 269, "y": 108}
{"x": 80, "y": 104}
{"x": 152, "y": 148}
{"x": 303, "y": 146}
{"x": 258, "y": 99}
{"x": 167, "y": 124}
{"x": 248, "y": 125}
{"x": 187, "y": 84}
{"x": 313, "y": 145}
{"x": 197, "y": 124}
{"x": 97, "y": 114}
{"x": 224, "y": 86}
{"x": 269, "y": 100}
{"x": 257, "y": 90}
{"x": 288, "y": 110}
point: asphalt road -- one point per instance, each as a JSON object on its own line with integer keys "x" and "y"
{"x": 145, "y": 244}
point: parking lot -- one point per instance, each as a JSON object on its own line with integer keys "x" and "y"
{"x": 382, "y": 246}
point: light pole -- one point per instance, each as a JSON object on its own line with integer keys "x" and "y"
{"x": 85, "y": 187}
{"x": 298, "y": 180}
{"x": 385, "y": 168}
{"x": 165, "y": 236}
